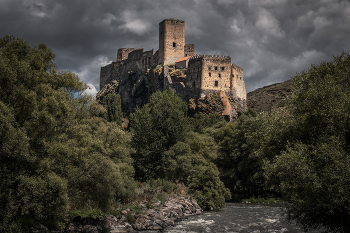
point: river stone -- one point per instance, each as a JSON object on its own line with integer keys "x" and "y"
{"x": 119, "y": 230}
{"x": 172, "y": 210}
{"x": 89, "y": 229}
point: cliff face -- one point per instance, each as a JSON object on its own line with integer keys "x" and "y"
{"x": 135, "y": 90}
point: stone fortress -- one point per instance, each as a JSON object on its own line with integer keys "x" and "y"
{"x": 202, "y": 74}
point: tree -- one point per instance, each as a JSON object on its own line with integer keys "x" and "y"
{"x": 196, "y": 149}
{"x": 200, "y": 121}
{"x": 114, "y": 108}
{"x": 156, "y": 127}
{"x": 206, "y": 187}
{"x": 55, "y": 153}
{"x": 24, "y": 194}
{"x": 245, "y": 146}
{"x": 313, "y": 172}
{"x": 32, "y": 101}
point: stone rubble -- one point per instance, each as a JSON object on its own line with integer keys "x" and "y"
{"x": 156, "y": 219}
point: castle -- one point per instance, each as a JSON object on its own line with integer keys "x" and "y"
{"x": 204, "y": 74}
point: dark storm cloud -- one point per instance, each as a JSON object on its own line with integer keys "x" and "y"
{"x": 270, "y": 39}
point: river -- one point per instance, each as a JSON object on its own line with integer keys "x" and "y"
{"x": 238, "y": 218}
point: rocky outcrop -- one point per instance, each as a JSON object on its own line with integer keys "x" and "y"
{"x": 159, "y": 218}
{"x": 134, "y": 91}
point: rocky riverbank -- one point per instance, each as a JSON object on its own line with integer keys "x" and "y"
{"x": 158, "y": 218}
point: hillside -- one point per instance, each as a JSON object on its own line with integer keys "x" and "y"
{"x": 269, "y": 98}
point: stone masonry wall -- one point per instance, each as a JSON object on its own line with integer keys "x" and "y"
{"x": 215, "y": 73}
{"x": 194, "y": 72}
{"x": 171, "y": 40}
{"x": 238, "y": 84}
{"x": 137, "y": 61}
{"x": 189, "y": 50}
{"x": 124, "y": 52}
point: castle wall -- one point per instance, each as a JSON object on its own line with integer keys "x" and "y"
{"x": 194, "y": 72}
{"x": 171, "y": 40}
{"x": 189, "y": 50}
{"x": 216, "y": 73}
{"x": 136, "y": 61}
{"x": 123, "y": 53}
{"x": 238, "y": 84}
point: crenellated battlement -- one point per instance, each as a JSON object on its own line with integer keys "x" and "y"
{"x": 209, "y": 57}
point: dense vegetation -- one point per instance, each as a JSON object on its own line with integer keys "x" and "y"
{"x": 62, "y": 153}
{"x": 313, "y": 171}
{"x": 56, "y": 152}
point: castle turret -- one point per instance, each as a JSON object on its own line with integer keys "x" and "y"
{"x": 171, "y": 40}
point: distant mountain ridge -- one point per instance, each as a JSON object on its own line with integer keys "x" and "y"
{"x": 269, "y": 98}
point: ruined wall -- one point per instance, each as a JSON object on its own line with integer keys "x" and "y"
{"x": 189, "y": 50}
{"x": 148, "y": 60}
{"x": 114, "y": 71}
{"x": 137, "y": 61}
{"x": 123, "y": 53}
{"x": 238, "y": 84}
{"x": 171, "y": 40}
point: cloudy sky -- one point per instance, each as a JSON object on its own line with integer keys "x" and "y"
{"x": 270, "y": 39}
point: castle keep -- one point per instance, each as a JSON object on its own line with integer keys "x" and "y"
{"x": 202, "y": 74}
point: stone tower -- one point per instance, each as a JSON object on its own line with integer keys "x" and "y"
{"x": 171, "y": 40}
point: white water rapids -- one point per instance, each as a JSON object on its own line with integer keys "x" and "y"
{"x": 240, "y": 218}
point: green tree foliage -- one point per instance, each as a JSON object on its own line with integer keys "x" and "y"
{"x": 245, "y": 146}
{"x": 207, "y": 188}
{"x": 314, "y": 171}
{"x": 156, "y": 127}
{"x": 200, "y": 121}
{"x": 114, "y": 108}
{"x": 55, "y": 153}
{"x": 23, "y": 192}
{"x": 195, "y": 149}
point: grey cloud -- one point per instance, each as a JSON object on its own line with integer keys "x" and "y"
{"x": 270, "y": 39}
